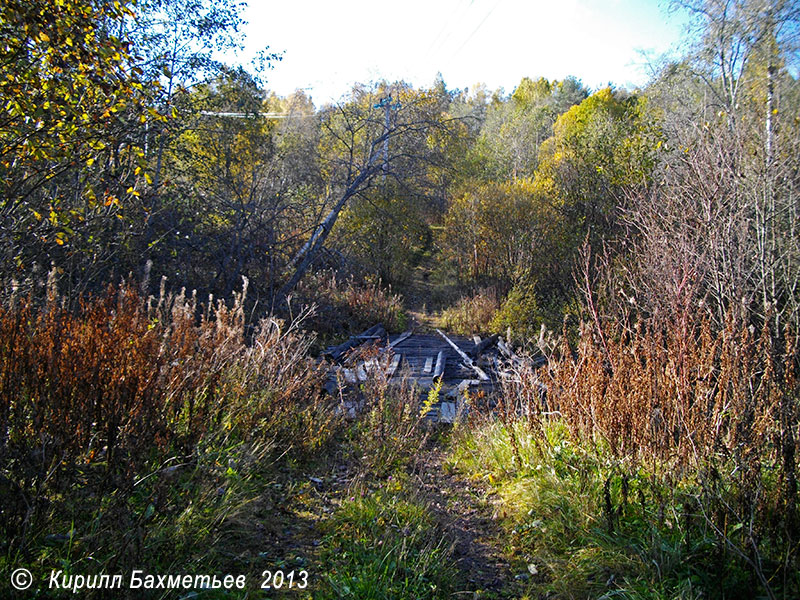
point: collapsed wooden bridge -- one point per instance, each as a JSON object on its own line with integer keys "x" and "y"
{"x": 460, "y": 364}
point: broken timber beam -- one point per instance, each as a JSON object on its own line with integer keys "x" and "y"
{"x": 441, "y": 361}
{"x": 373, "y": 333}
{"x": 402, "y": 338}
{"x": 483, "y": 346}
{"x": 467, "y": 360}
{"x": 507, "y": 351}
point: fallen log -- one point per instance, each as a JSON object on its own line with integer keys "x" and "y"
{"x": 441, "y": 360}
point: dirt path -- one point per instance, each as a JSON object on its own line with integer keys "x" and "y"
{"x": 465, "y": 511}
{"x": 418, "y": 298}
{"x": 295, "y": 530}
{"x": 426, "y": 294}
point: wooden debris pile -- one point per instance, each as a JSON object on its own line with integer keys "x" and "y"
{"x": 459, "y": 363}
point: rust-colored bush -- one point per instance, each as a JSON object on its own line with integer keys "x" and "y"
{"x": 680, "y": 391}
{"x": 121, "y": 379}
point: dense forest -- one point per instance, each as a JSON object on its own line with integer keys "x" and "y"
{"x": 178, "y": 244}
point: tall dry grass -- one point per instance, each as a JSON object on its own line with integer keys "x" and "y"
{"x": 347, "y": 306}
{"x": 391, "y": 428}
{"x": 99, "y": 394}
{"x": 683, "y": 391}
{"x": 682, "y": 402}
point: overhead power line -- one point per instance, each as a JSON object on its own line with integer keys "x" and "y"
{"x": 241, "y": 115}
{"x": 455, "y": 19}
{"x": 474, "y": 31}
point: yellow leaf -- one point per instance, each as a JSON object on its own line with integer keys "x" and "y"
{"x": 44, "y": 37}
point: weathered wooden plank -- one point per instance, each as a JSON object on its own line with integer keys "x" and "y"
{"x": 374, "y": 332}
{"x": 507, "y": 351}
{"x": 457, "y": 390}
{"x": 467, "y": 360}
{"x": 402, "y": 338}
{"x": 448, "y": 412}
{"x": 428, "y": 365}
{"x": 394, "y": 364}
{"x": 501, "y": 372}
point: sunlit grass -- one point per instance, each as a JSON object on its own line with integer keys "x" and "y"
{"x": 582, "y": 524}
{"x": 386, "y": 544}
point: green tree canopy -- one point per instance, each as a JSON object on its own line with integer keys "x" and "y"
{"x": 70, "y": 157}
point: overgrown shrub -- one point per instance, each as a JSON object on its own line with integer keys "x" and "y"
{"x": 691, "y": 420}
{"x": 472, "y": 314}
{"x": 348, "y": 306}
{"x": 582, "y": 523}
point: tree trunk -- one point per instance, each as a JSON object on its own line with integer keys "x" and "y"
{"x": 303, "y": 259}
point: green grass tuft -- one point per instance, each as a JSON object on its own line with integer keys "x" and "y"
{"x": 586, "y": 525}
{"x": 386, "y": 544}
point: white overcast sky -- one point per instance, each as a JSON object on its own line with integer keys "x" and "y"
{"x": 329, "y": 45}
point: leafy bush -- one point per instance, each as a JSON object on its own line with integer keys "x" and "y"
{"x": 473, "y": 314}
{"x": 524, "y": 312}
{"x": 520, "y": 313}
{"x": 347, "y": 306}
